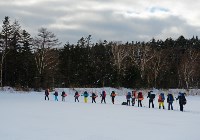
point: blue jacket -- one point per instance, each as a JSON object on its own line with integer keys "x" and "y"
{"x": 85, "y": 94}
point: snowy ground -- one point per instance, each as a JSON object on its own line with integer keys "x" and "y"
{"x": 27, "y": 116}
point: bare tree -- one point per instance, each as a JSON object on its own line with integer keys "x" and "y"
{"x": 120, "y": 52}
{"x": 43, "y": 45}
{"x": 158, "y": 64}
{"x": 189, "y": 66}
{"x": 141, "y": 55}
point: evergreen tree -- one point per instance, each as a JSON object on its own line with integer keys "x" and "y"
{"x": 5, "y": 45}
{"x": 27, "y": 67}
{"x": 12, "y": 69}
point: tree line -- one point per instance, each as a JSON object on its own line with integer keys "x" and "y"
{"x": 41, "y": 62}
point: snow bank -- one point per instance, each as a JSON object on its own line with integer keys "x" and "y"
{"x": 119, "y": 91}
{"x": 123, "y": 91}
{"x": 7, "y": 89}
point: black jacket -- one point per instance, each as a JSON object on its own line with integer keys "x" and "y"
{"x": 46, "y": 92}
{"x": 151, "y": 96}
{"x": 93, "y": 95}
{"x": 182, "y": 99}
{"x": 56, "y": 93}
{"x": 63, "y": 94}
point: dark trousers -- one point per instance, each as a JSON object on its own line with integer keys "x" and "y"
{"x": 93, "y": 100}
{"x": 63, "y": 98}
{"x": 46, "y": 97}
{"x": 139, "y": 103}
{"x": 133, "y": 101}
{"x": 151, "y": 102}
{"x": 181, "y": 107}
{"x": 113, "y": 100}
{"x": 103, "y": 99}
{"x": 170, "y": 106}
{"x": 128, "y": 102}
{"x": 76, "y": 98}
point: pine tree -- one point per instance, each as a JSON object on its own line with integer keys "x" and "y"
{"x": 12, "y": 69}
{"x": 5, "y": 44}
{"x": 27, "y": 67}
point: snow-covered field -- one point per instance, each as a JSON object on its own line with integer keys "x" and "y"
{"x": 27, "y": 116}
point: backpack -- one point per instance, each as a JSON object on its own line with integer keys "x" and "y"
{"x": 128, "y": 95}
{"x": 183, "y": 99}
{"x": 135, "y": 95}
{"x": 103, "y": 94}
{"x": 152, "y": 96}
{"x": 113, "y": 94}
{"x": 124, "y": 103}
{"x": 140, "y": 96}
{"x": 170, "y": 98}
{"x": 63, "y": 94}
{"x": 161, "y": 97}
{"x": 46, "y": 92}
{"x": 94, "y": 95}
{"x": 56, "y": 93}
{"x": 76, "y": 95}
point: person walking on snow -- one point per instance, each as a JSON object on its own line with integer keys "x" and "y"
{"x": 112, "y": 95}
{"x": 94, "y": 96}
{"x": 134, "y": 97}
{"x": 47, "y": 94}
{"x": 76, "y": 96}
{"x": 140, "y": 98}
{"x": 85, "y": 95}
{"x": 56, "y": 95}
{"x": 103, "y": 97}
{"x": 63, "y": 96}
{"x": 128, "y": 98}
{"x": 151, "y": 97}
{"x": 182, "y": 100}
{"x": 161, "y": 99}
{"x": 170, "y": 100}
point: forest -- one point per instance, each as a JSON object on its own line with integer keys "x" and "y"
{"x": 43, "y": 62}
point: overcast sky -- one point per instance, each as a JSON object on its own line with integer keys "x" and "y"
{"x": 111, "y": 20}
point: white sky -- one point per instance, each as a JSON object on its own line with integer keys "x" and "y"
{"x": 111, "y": 20}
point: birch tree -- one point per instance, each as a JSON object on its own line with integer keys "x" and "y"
{"x": 189, "y": 66}
{"x": 119, "y": 52}
{"x": 158, "y": 64}
{"x": 144, "y": 54}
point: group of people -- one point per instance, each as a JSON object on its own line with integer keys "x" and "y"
{"x": 161, "y": 99}
{"x": 130, "y": 97}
